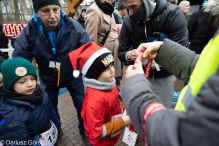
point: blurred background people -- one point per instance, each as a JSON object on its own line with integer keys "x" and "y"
{"x": 202, "y": 25}
{"x": 173, "y": 1}
{"x": 74, "y": 15}
{"x": 3, "y": 43}
{"x": 81, "y": 17}
{"x": 184, "y": 6}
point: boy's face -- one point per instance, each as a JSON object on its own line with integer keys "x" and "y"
{"x": 1, "y": 80}
{"x": 25, "y": 85}
{"x": 107, "y": 75}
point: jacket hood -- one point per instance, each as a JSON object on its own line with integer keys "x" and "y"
{"x": 212, "y": 6}
{"x": 149, "y": 6}
{"x": 160, "y": 5}
{"x": 95, "y": 84}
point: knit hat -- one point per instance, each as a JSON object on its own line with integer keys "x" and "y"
{"x": 83, "y": 9}
{"x": 92, "y": 58}
{"x": 120, "y": 5}
{"x": 38, "y": 4}
{"x": 14, "y": 69}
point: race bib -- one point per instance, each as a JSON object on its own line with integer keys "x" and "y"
{"x": 49, "y": 137}
{"x": 129, "y": 137}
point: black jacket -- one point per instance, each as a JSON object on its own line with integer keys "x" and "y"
{"x": 200, "y": 30}
{"x": 81, "y": 20}
{"x": 166, "y": 18}
{"x": 3, "y": 43}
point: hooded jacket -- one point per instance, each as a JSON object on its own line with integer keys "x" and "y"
{"x": 160, "y": 17}
{"x": 200, "y": 26}
{"x": 32, "y": 43}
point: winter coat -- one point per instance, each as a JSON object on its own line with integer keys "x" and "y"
{"x": 32, "y": 43}
{"x": 196, "y": 127}
{"x": 166, "y": 18}
{"x": 3, "y": 43}
{"x": 81, "y": 20}
{"x": 97, "y": 24}
{"x": 200, "y": 27}
{"x": 22, "y": 120}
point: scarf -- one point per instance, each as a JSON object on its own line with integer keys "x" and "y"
{"x": 105, "y": 7}
{"x": 35, "y": 97}
{"x": 95, "y": 84}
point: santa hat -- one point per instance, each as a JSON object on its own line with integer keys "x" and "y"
{"x": 92, "y": 58}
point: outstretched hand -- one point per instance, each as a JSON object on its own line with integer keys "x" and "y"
{"x": 150, "y": 49}
{"x": 130, "y": 71}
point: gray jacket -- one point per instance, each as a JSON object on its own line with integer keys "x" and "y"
{"x": 199, "y": 126}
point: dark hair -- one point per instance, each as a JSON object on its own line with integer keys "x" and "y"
{"x": 72, "y": 14}
{"x": 83, "y": 9}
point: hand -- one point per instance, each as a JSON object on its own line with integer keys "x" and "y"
{"x": 150, "y": 49}
{"x": 130, "y": 71}
{"x": 132, "y": 55}
{"x": 126, "y": 118}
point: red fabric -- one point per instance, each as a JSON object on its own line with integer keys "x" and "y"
{"x": 150, "y": 110}
{"x": 97, "y": 109}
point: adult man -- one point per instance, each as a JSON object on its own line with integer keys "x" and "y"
{"x": 81, "y": 17}
{"x": 148, "y": 20}
{"x": 119, "y": 12}
{"x": 49, "y": 37}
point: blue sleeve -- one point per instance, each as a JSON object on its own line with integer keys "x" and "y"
{"x": 22, "y": 47}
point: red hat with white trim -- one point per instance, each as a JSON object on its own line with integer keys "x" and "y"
{"x": 93, "y": 60}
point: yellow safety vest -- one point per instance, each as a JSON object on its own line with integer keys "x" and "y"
{"x": 205, "y": 67}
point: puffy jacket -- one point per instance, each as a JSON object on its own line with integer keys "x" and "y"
{"x": 32, "y": 43}
{"x": 22, "y": 121}
{"x": 200, "y": 30}
{"x": 166, "y": 18}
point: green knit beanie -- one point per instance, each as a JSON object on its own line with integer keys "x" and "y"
{"x": 14, "y": 69}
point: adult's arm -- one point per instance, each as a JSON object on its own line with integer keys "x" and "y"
{"x": 177, "y": 59}
{"x": 124, "y": 40}
{"x": 83, "y": 36}
{"x": 196, "y": 127}
{"x": 22, "y": 47}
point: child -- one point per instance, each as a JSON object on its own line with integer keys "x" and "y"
{"x": 26, "y": 114}
{"x": 101, "y": 110}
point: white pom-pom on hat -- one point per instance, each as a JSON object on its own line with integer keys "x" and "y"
{"x": 76, "y": 73}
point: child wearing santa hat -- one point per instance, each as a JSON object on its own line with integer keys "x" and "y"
{"x": 102, "y": 110}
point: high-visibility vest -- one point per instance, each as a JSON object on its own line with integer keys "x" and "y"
{"x": 205, "y": 67}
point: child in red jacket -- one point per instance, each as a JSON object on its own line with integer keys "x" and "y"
{"x": 102, "y": 111}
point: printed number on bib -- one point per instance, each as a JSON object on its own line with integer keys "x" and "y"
{"x": 49, "y": 137}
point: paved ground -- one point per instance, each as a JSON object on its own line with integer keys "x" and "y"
{"x": 71, "y": 136}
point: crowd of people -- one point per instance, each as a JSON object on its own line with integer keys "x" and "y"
{"x": 91, "y": 50}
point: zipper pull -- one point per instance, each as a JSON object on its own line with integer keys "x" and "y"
{"x": 54, "y": 50}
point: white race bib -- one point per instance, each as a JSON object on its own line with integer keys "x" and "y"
{"x": 129, "y": 137}
{"x": 49, "y": 137}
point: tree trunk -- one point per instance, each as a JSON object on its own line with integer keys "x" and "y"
{"x": 17, "y": 11}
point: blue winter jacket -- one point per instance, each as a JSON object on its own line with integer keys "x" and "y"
{"x": 22, "y": 121}
{"x": 32, "y": 43}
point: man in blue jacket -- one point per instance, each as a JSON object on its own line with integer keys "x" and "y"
{"x": 49, "y": 37}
